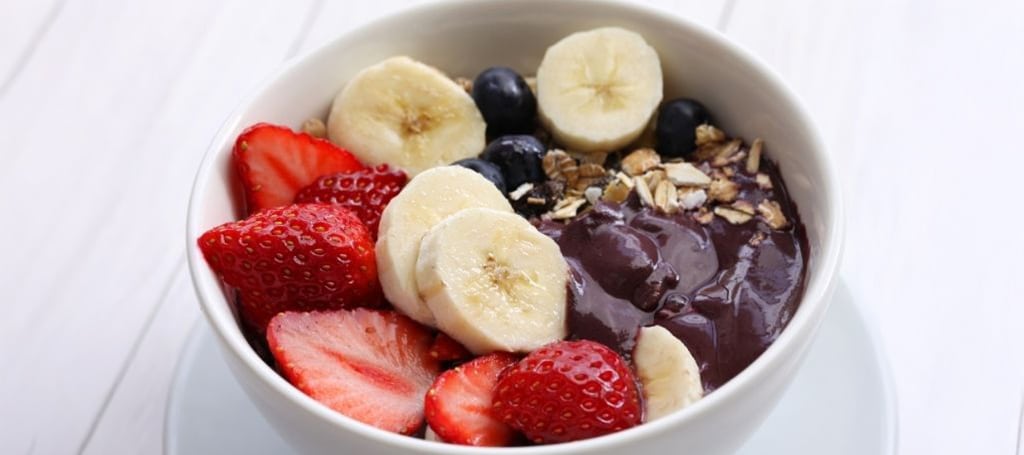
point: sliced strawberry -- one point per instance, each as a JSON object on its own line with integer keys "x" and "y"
{"x": 458, "y": 405}
{"x": 445, "y": 349}
{"x": 275, "y": 162}
{"x": 370, "y": 365}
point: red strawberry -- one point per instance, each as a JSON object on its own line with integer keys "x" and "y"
{"x": 300, "y": 257}
{"x": 445, "y": 349}
{"x": 458, "y": 405}
{"x": 586, "y": 390}
{"x": 365, "y": 191}
{"x": 275, "y": 162}
{"x": 370, "y": 365}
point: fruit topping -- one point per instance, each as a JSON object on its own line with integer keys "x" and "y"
{"x": 568, "y": 391}
{"x": 487, "y": 169}
{"x": 274, "y": 163}
{"x": 669, "y": 376}
{"x": 667, "y": 251}
{"x": 676, "y": 129}
{"x": 406, "y": 114}
{"x": 458, "y": 404}
{"x": 426, "y": 200}
{"x": 365, "y": 192}
{"x": 372, "y": 366}
{"x": 445, "y": 349}
{"x": 506, "y": 101}
{"x": 519, "y": 156}
{"x": 493, "y": 281}
{"x": 294, "y": 258}
{"x": 597, "y": 90}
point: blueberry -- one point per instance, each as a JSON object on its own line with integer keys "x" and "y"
{"x": 506, "y": 102}
{"x": 489, "y": 170}
{"x": 677, "y": 123}
{"x": 519, "y": 157}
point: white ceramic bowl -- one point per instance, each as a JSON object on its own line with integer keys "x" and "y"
{"x": 462, "y": 38}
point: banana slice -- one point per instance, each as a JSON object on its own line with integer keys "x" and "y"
{"x": 668, "y": 372}
{"x": 426, "y": 200}
{"x": 408, "y": 115}
{"x": 597, "y": 90}
{"x": 493, "y": 281}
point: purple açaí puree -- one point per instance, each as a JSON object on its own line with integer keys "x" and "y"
{"x": 726, "y": 290}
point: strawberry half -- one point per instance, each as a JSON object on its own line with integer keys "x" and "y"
{"x": 458, "y": 405}
{"x": 369, "y": 365}
{"x": 275, "y": 162}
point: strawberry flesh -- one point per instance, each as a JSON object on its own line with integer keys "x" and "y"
{"x": 458, "y": 404}
{"x": 274, "y": 163}
{"x": 370, "y": 365}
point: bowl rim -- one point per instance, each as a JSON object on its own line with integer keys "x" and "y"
{"x": 814, "y": 302}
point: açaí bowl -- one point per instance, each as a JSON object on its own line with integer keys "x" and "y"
{"x": 462, "y": 38}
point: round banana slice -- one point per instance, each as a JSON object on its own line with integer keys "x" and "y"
{"x": 493, "y": 281}
{"x": 668, "y": 373}
{"x": 598, "y": 89}
{"x": 426, "y": 200}
{"x": 406, "y": 114}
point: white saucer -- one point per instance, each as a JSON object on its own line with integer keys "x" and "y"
{"x": 841, "y": 402}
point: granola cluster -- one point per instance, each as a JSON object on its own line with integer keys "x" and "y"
{"x": 710, "y": 185}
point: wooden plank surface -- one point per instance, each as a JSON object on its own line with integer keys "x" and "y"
{"x": 106, "y": 108}
{"x": 24, "y": 25}
{"x": 919, "y": 102}
{"x": 104, "y": 128}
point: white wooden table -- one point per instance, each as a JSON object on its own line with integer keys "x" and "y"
{"x": 106, "y": 108}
